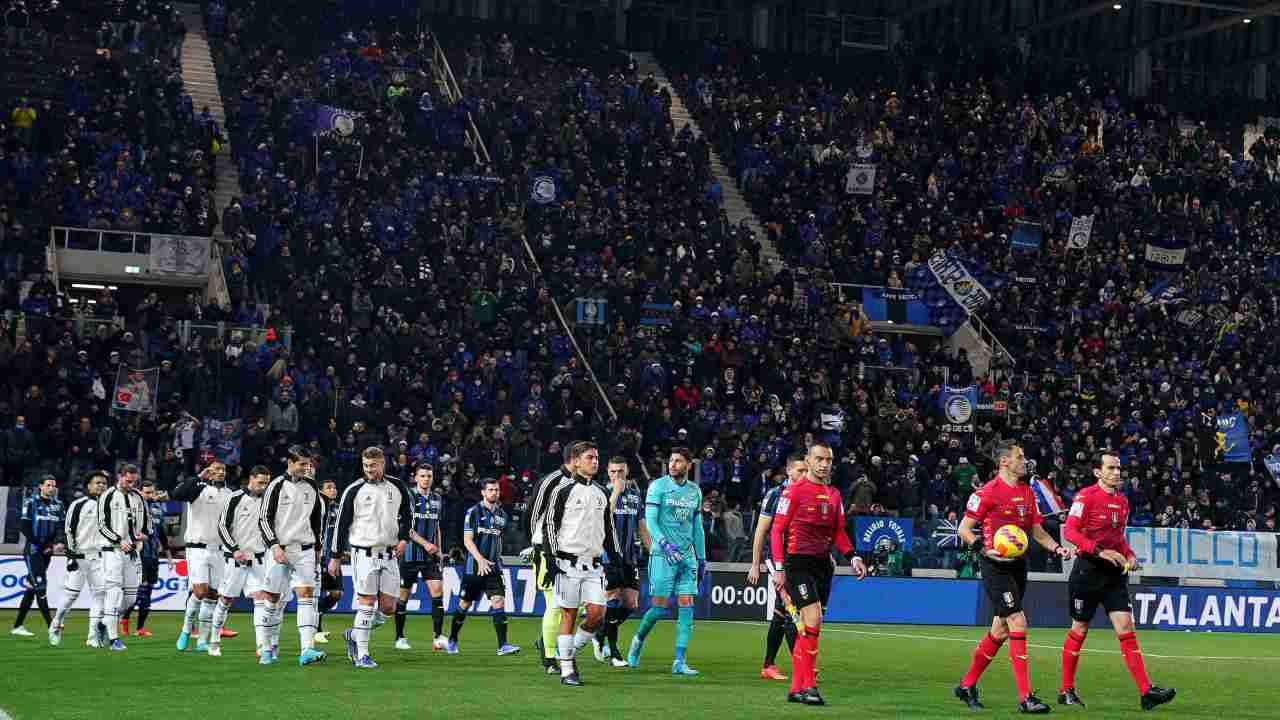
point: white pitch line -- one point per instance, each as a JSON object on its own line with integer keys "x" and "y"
{"x": 936, "y": 638}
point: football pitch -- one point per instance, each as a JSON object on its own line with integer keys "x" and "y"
{"x": 867, "y": 671}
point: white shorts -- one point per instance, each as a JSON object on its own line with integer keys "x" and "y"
{"x": 375, "y": 574}
{"x": 88, "y": 572}
{"x": 120, "y": 570}
{"x": 240, "y": 579}
{"x": 299, "y": 570}
{"x": 575, "y": 587}
{"x": 204, "y": 567}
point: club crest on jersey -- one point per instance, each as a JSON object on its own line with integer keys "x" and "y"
{"x": 1022, "y": 511}
{"x": 1115, "y": 520}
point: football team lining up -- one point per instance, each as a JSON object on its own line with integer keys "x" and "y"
{"x": 287, "y": 536}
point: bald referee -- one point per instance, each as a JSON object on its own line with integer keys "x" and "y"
{"x": 546, "y": 489}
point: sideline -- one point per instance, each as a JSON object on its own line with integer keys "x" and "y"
{"x": 935, "y": 638}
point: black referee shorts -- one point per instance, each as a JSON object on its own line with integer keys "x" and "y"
{"x": 1095, "y": 582}
{"x": 475, "y": 587}
{"x": 425, "y": 569}
{"x": 620, "y": 576}
{"x": 1005, "y": 584}
{"x": 808, "y": 579}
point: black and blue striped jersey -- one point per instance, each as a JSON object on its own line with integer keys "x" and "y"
{"x": 427, "y": 509}
{"x": 328, "y": 520}
{"x": 154, "y": 544}
{"x": 42, "y": 521}
{"x": 486, "y": 527}
{"x": 768, "y": 508}
{"x": 627, "y": 514}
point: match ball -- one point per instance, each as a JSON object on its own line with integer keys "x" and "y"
{"x": 1010, "y": 541}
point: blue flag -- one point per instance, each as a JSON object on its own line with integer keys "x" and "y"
{"x": 336, "y": 121}
{"x": 1233, "y": 437}
{"x": 894, "y": 305}
{"x": 544, "y": 186}
{"x": 958, "y": 407}
{"x": 1163, "y": 293}
{"x": 1027, "y": 236}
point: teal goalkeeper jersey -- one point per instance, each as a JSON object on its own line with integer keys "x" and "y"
{"x": 677, "y": 508}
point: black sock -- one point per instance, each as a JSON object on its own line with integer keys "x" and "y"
{"x": 789, "y": 628}
{"x": 143, "y": 612}
{"x": 125, "y": 615}
{"x": 144, "y": 604}
{"x": 620, "y": 615}
{"x": 43, "y": 601}
{"x": 402, "y": 609}
{"x": 459, "y": 617}
{"x": 602, "y": 635}
{"x": 437, "y": 616}
{"x": 25, "y": 607}
{"x": 327, "y": 602}
{"x": 500, "y": 626}
{"x": 773, "y": 641}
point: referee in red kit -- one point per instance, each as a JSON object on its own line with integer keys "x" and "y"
{"x": 1006, "y": 500}
{"x": 1095, "y": 525}
{"x": 809, "y": 519}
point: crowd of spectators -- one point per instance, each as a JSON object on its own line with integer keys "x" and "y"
{"x": 392, "y": 259}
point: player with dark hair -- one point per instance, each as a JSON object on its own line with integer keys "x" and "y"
{"x": 150, "y": 554}
{"x": 42, "y": 525}
{"x": 330, "y": 586}
{"x": 547, "y": 487}
{"x": 808, "y": 521}
{"x": 622, "y": 578}
{"x": 422, "y": 557}
{"x": 1095, "y": 525}
{"x": 1005, "y": 500}
{"x": 673, "y": 516}
{"x": 84, "y": 562}
{"x": 482, "y": 571}
{"x": 204, "y": 494}
{"x": 780, "y": 624}
{"x": 291, "y": 520}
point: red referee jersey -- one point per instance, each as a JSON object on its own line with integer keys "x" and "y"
{"x": 1097, "y": 521}
{"x": 809, "y": 519}
{"x": 998, "y": 503}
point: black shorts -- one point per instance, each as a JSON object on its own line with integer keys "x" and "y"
{"x": 329, "y": 583}
{"x": 1091, "y": 585}
{"x": 620, "y": 576}
{"x": 37, "y": 568}
{"x": 808, "y": 579}
{"x": 475, "y": 587}
{"x": 1005, "y": 584}
{"x": 426, "y": 569}
{"x": 150, "y": 570}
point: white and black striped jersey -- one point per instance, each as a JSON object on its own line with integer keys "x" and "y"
{"x": 291, "y": 512}
{"x": 238, "y": 526}
{"x": 82, "y": 526}
{"x": 580, "y": 522}
{"x": 542, "y": 500}
{"x": 204, "y": 506}
{"x": 122, "y": 514}
{"x": 372, "y": 515}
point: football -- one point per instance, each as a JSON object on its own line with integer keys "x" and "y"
{"x": 1009, "y": 541}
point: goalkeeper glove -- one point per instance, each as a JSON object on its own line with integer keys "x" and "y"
{"x": 72, "y": 566}
{"x": 671, "y": 552}
{"x": 525, "y": 554}
{"x": 549, "y": 575}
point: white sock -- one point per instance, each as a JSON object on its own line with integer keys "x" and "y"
{"x": 189, "y": 618}
{"x": 361, "y": 626}
{"x": 277, "y": 621}
{"x": 307, "y": 622}
{"x": 112, "y": 603}
{"x": 262, "y": 624}
{"x": 565, "y": 645}
{"x": 580, "y": 639}
{"x": 220, "y": 611}
{"x": 206, "y": 618}
{"x": 68, "y": 599}
{"x": 95, "y": 612}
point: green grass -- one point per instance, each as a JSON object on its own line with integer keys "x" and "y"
{"x": 867, "y": 671}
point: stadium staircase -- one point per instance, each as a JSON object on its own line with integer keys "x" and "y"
{"x": 735, "y": 204}
{"x": 200, "y": 80}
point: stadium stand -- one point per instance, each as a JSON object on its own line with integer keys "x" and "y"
{"x": 389, "y": 297}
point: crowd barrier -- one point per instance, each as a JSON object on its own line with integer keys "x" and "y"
{"x": 728, "y": 596}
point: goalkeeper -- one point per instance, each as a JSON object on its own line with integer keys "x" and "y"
{"x": 677, "y": 562}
